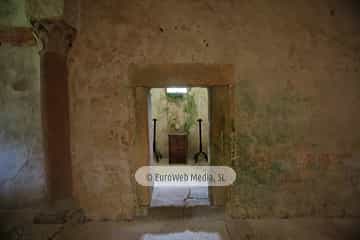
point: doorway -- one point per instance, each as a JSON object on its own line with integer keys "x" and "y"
{"x": 218, "y": 79}
{"x": 179, "y": 135}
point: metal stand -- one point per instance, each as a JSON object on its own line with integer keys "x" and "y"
{"x": 200, "y": 153}
{"x": 157, "y": 154}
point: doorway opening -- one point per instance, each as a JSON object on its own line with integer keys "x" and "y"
{"x": 179, "y": 127}
{"x": 218, "y": 79}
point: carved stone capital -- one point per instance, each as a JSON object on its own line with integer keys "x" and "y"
{"x": 54, "y": 36}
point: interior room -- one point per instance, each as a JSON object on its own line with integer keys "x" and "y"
{"x": 95, "y": 96}
{"x": 180, "y": 118}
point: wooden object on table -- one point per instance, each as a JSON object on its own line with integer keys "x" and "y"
{"x": 177, "y": 148}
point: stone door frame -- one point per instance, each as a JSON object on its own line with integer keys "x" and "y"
{"x": 218, "y": 78}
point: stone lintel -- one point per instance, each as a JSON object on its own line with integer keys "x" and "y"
{"x": 181, "y": 74}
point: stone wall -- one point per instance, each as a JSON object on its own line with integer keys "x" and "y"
{"x": 180, "y": 115}
{"x": 12, "y": 13}
{"x": 22, "y": 168}
{"x": 43, "y": 9}
{"x": 295, "y": 145}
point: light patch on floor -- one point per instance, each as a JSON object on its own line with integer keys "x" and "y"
{"x": 188, "y": 235}
{"x": 180, "y": 196}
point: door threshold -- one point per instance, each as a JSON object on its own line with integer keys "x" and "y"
{"x": 174, "y": 212}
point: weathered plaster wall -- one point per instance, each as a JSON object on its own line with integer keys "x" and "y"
{"x": 296, "y": 148}
{"x": 22, "y": 171}
{"x": 40, "y": 9}
{"x": 22, "y": 167}
{"x": 180, "y": 115}
{"x": 12, "y": 13}
{"x": 20, "y": 12}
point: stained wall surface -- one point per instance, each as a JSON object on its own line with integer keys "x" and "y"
{"x": 22, "y": 165}
{"x": 22, "y": 168}
{"x": 295, "y": 146}
{"x": 12, "y": 13}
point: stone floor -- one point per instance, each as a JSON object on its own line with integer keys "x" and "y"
{"x": 189, "y": 161}
{"x": 179, "y": 196}
{"x": 208, "y": 229}
{"x": 190, "y": 227}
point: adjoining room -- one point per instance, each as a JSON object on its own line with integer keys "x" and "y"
{"x": 179, "y": 135}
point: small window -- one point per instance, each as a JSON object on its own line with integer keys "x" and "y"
{"x": 176, "y": 91}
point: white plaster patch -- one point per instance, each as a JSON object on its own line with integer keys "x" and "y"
{"x": 183, "y": 235}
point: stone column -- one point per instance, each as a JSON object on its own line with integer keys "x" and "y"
{"x": 55, "y": 38}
